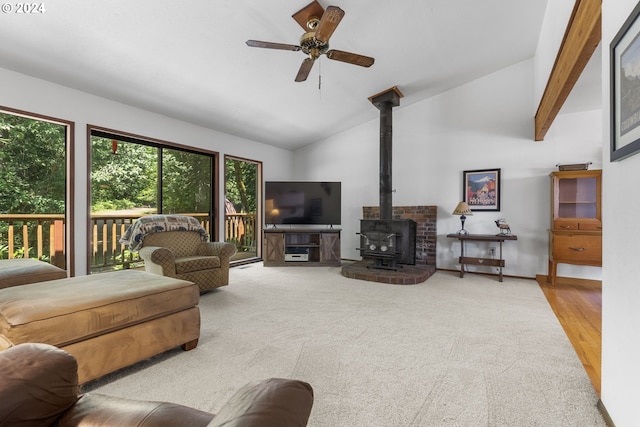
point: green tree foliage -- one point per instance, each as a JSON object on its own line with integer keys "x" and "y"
{"x": 125, "y": 179}
{"x": 185, "y": 182}
{"x": 241, "y": 186}
{"x": 32, "y": 166}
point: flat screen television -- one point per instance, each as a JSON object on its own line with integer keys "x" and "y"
{"x": 303, "y": 202}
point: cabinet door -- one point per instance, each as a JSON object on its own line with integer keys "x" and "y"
{"x": 330, "y": 248}
{"x": 273, "y": 247}
{"x": 576, "y": 197}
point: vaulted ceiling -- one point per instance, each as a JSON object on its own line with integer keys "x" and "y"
{"x": 189, "y": 60}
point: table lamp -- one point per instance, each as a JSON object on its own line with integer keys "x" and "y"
{"x": 463, "y": 210}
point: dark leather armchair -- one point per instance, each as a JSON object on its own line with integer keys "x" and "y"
{"x": 39, "y": 387}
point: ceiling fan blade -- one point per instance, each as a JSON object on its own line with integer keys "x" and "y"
{"x": 311, "y": 11}
{"x": 304, "y": 70}
{"x": 328, "y": 23}
{"x": 270, "y": 45}
{"x": 351, "y": 58}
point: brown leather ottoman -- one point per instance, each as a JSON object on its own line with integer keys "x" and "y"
{"x": 107, "y": 321}
{"x": 21, "y": 271}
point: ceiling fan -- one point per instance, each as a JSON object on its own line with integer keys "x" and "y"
{"x": 319, "y": 24}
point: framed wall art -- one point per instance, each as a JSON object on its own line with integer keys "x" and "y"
{"x": 625, "y": 88}
{"x": 481, "y": 189}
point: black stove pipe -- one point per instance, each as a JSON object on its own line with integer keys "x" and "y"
{"x": 385, "y": 101}
{"x": 386, "y": 145}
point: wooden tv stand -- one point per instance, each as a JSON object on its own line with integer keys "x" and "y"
{"x": 301, "y": 247}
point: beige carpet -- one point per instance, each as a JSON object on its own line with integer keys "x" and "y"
{"x": 446, "y": 352}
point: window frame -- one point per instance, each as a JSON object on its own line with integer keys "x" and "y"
{"x": 69, "y": 125}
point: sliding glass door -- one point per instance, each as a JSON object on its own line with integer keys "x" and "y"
{"x": 243, "y": 226}
{"x": 132, "y": 177}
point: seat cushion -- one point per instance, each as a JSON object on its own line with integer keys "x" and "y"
{"x": 196, "y": 263}
{"x": 14, "y": 272}
{"x": 61, "y": 312}
{"x": 95, "y": 409}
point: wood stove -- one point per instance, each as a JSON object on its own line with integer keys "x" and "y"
{"x": 388, "y": 242}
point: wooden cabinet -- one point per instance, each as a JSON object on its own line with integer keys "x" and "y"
{"x": 301, "y": 247}
{"x": 575, "y": 236}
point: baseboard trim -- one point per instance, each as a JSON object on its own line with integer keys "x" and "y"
{"x": 571, "y": 281}
{"x": 605, "y": 414}
{"x": 486, "y": 274}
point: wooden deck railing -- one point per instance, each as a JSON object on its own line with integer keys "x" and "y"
{"x": 240, "y": 228}
{"x": 41, "y": 236}
{"x": 33, "y": 236}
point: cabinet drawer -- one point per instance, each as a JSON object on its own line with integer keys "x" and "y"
{"x": 594, "y": 226}
{"x": 577, "y": 249}
{"x": 565, "y": 225}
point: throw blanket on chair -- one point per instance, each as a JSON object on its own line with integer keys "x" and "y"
{"x": 135, "y": 234}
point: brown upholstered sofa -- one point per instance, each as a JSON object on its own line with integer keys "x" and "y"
{"x": 39, "y": 387}
{"x": 107, "y": 321}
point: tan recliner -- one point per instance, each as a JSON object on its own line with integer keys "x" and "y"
{"x": 178, "y": 246}
{"x": 183, "y": 255}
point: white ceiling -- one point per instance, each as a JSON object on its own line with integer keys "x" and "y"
{"x": 189, "y": 60}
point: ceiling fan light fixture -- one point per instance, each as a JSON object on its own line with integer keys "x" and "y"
{"x": 312, "y": 23}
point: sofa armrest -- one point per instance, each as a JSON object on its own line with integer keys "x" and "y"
{"x": 39, "y": 382}
{"x": 224, "y": 250}
{"x": 159, "y": 260}
{"x": 5, "y": 343}
{"x": 272, "y": 402}
{"x": 100, "y": 410}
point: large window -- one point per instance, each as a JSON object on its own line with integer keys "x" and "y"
{"x": 242, "y": 207}
{"x": 35, "y": 157}
{"x": 132, "y": 176}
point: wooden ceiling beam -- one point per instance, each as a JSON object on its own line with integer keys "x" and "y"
{"x": 581, "y": 38}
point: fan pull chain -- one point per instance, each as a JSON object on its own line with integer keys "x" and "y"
{"x": 320, "y": 78}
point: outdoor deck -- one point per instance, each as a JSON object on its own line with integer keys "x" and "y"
{"x": 42, "y": 236}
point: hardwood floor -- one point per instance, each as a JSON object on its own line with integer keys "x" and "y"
{"x": 578, "y": 306}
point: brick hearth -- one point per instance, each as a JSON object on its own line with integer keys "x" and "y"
{"x": 406, "y": 275}
{"x": 426, "y": 238}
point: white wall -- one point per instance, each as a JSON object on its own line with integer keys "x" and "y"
{"x": 485, "y": 124}
{"x": 553, "y": 28}
{"x": 621, "y": 269}
{"x": 37, "y": 96}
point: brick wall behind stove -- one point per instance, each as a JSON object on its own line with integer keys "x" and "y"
{"x": 426, "y": 231}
